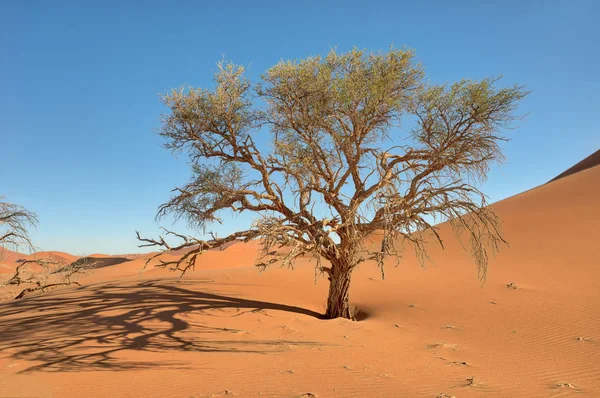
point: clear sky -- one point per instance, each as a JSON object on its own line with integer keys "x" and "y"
{"x": 79, "y": 87}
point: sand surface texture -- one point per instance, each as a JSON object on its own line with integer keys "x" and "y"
{"x": 533, "y": 329}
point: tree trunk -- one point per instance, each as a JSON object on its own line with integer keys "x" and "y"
{"x": 338, "y": 302}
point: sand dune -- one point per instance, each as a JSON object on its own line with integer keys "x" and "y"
{"x": 57, "y": 256}
{"x": 533, "y": 329}
{"x": 591, "y": 161}
{"x": 9, "y": 258}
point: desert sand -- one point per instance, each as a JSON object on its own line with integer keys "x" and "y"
{"x": 533, "y": 328}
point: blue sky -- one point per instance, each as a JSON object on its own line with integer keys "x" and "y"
{"x": 80, "y": 80}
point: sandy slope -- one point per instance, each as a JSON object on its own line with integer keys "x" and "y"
{"x": 8, "y": 259}
{"x": 227, "y": 330}
{"x": 591, "y": 161}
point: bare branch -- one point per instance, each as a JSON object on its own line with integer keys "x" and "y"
{"x": 42, "y": 274}
{"x": 15, "y": 223}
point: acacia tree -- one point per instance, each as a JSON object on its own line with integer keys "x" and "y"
{"x": 15, "y": 223}
{"x": 41, "y": 274}
{"x": 37, "y": 273}
{"x": 337, "y": 169}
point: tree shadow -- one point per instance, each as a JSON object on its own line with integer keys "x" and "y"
{"x": 89, "y": 327}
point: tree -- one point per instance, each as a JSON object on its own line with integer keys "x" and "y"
{"x": 38, "y": 273}
{"x": 15, "y": 223}
{"x": 41, "y": 274}
{"x": 338, "y": 168}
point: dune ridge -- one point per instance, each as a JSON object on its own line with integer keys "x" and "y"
{"x": 591, "y": 161}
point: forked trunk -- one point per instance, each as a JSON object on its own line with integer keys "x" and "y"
{"x": 338, "y": 302}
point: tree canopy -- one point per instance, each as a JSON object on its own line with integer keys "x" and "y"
{"x": 359, "y": 142}
{"x": 15, "y": 223}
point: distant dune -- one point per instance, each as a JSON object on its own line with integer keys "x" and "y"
{"x": 8, "y": 259}
{"x": 533, "y": 329}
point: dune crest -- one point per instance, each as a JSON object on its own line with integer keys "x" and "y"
{"x": 591, "y": 161}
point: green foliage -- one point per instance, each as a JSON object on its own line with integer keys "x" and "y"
{"x": 335, "y": 143}
{"x": 459, "y": 125}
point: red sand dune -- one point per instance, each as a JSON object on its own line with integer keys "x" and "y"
{"x": 56, "y": 256}
{"x": 228, "y": 330}
{"x": 8, "y": 256}
{"x": 589, "y": 162}
{"x": 8, "y": 259}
